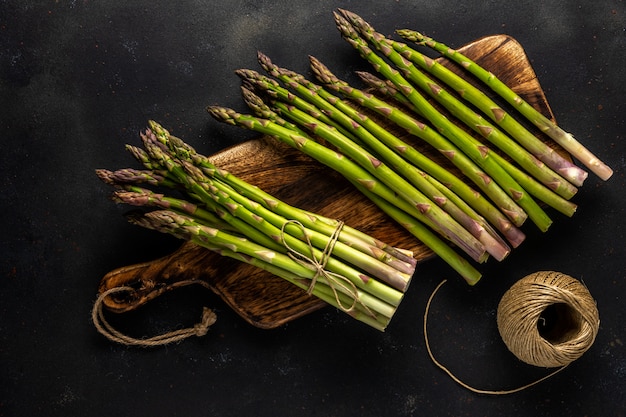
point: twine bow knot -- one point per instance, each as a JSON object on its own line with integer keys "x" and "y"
{"x": 336, "y": 282}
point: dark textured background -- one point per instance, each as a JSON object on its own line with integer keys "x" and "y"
{"x": 80, "y": 78}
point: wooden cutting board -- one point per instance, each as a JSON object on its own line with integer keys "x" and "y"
{"x": 260, "y": 298}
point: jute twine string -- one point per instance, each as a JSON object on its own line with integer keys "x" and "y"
{"x": 522, "y": 311}
{"x": 336, "y": 282}
{"x": 521, "y": 314}
{"x": 107, "y": 330}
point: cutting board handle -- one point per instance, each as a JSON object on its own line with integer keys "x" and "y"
{"x": 151, "y": 279}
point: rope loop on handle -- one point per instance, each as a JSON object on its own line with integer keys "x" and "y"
{"x": 106, "y": 329}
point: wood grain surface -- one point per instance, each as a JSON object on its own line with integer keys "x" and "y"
{"x": 262, "y": 299}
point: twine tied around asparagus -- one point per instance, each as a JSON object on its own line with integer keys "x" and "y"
{"x": 106, "y": 329}
{"x": 336, "y": 282}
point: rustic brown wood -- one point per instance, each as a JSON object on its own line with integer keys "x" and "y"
{"x": 260, "y": 298}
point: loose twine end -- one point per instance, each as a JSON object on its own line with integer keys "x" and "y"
{"x": 106, "y": 329}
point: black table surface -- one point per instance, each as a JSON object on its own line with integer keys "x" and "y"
{"x": 79, "y": 79}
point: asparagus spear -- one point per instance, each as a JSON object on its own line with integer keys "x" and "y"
{"x": 341, "y": 164}
{"x": 138, "y": 196}
{"x": 134, "y": 176}
{"x": 482, "y": 155}
{"x": 560, "y": 136}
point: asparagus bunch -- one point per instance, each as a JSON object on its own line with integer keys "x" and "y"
{"x": 348, "y": 23}
{"x": 476, "y": 122}
{"x": 563, "y": 138}
{"x": 355, "y": 272}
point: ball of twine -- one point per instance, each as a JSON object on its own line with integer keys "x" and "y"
{"x": 548, "y": 319}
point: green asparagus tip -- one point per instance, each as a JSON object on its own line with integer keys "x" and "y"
{"x": 411, "y": 35}
{"x": 266, "y": 63}
{"x": 356, "y": 20}
{"x": 253, "y": 77}
{"x": 251, "y": 98}
{"x": 138, "y": 218}
{"x": 323, "y": 73}
{"x": 139, "y": 154}
{"x": 276, "y": 71}
{"x": 130, "y": 176}
{"x": 157, "y": 128}
{"x": 347, "y": 31}
{"x": 158, "y": 221}
{"x": 257, "y": 105}
{"x": 105, "y": 176}
{"x": 223, "y": 114}
{"x": 131, "y": 198}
